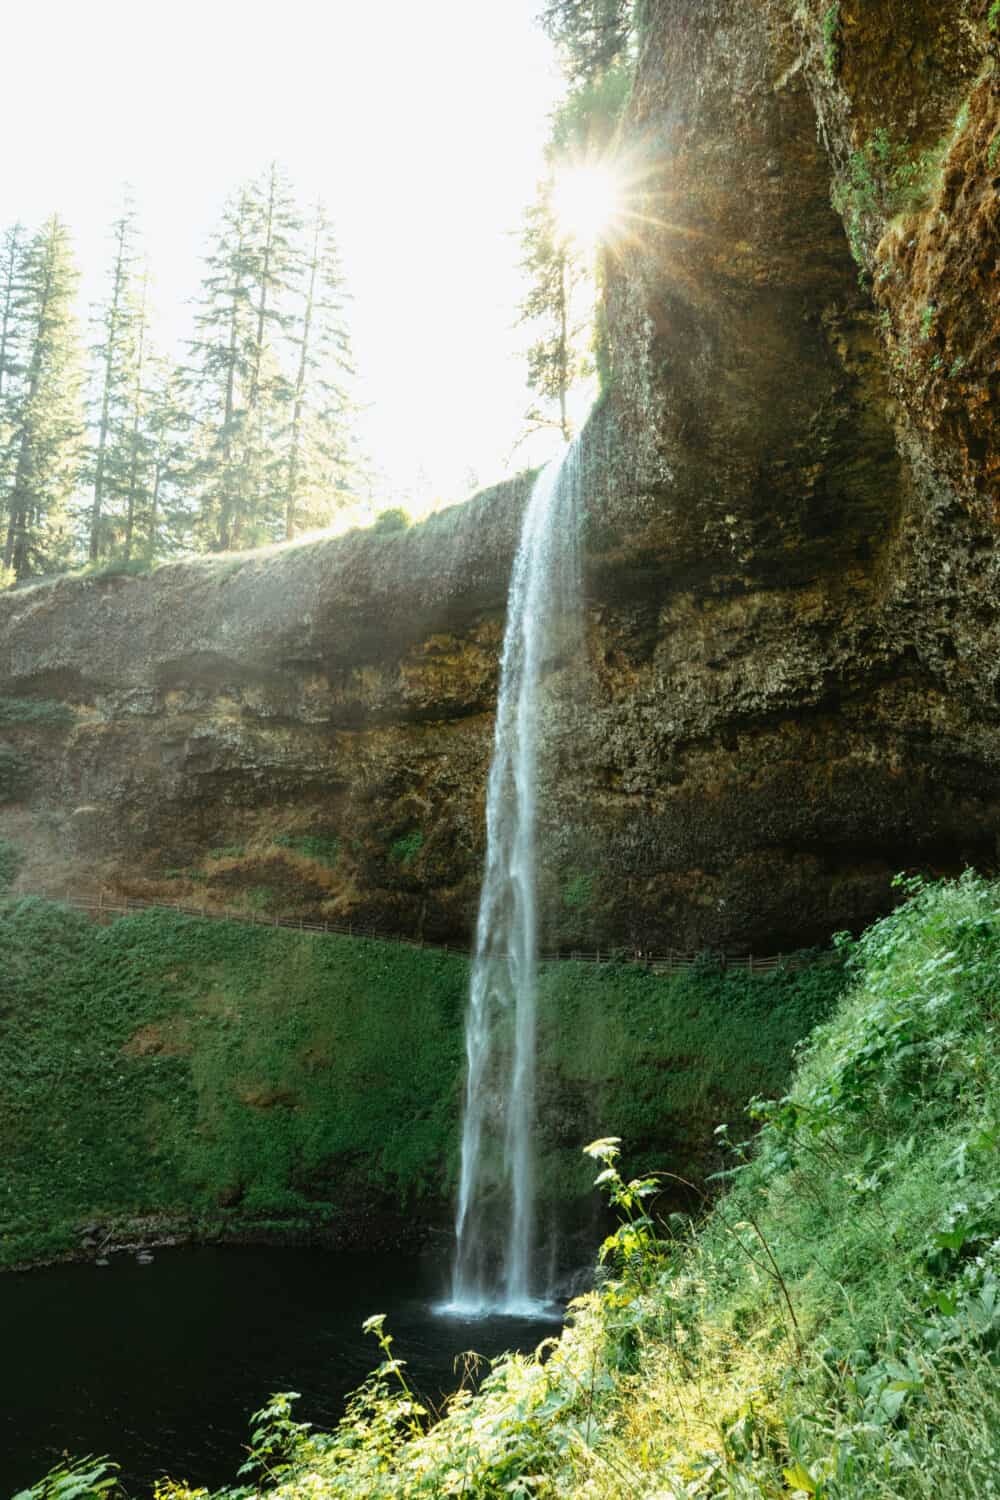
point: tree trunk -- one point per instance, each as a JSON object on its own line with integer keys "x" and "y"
{"x": 300, "y": 386}
{"x": 109, "y": 358}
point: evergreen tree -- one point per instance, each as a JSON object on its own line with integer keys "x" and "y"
{"x": 223, "y": 360}
{"x": 321, "y": 464}
{"x": 168, "y": 522}
{"x": 242, "y": 393}
{"x": 12, "y": 250}
{"x": 557, "y": 357}
{"x": 592, "y": 34}
{"x": 115, "y": 353}
{"x": 137, "y": 444}
{"x": 11, "y": 256}
{"x": 45, "y": 415}
{"x": 276, "y": 227}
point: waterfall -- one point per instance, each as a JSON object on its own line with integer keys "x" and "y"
{"x": 495, "y": 1223}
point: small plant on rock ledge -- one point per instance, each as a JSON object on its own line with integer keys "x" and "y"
{"x": 832, "y": 36}
{"x": 405, "y": 850}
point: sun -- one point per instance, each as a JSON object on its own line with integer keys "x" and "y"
{"x": 588, "y": 203}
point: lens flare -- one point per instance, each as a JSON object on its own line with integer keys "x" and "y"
{"x": 588, "y": 203}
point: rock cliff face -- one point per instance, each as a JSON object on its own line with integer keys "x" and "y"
{"x": 792, "y": 678}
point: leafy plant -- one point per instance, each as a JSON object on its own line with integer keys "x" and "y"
{"x": 85, "y": 1479}
{"x": 406, "y": 848}
{"x": 276, "y": 1440}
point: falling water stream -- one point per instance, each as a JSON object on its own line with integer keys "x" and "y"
{"x": 495, "y": 1223}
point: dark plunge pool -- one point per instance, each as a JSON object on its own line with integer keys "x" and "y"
{"x": 161, "y": 1365}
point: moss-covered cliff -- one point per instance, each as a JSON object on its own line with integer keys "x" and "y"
{"x": 791, "y": 678}
{"x": 178, "y": 1076}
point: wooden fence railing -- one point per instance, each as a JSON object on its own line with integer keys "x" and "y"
{"x": 105, "y": 908}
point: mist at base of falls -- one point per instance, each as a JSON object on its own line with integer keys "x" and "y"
{"x": 495, "y": 1261}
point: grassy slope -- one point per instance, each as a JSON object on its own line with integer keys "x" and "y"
{"x": 832, "y": 1328}
{"x": 165, "y": 1065}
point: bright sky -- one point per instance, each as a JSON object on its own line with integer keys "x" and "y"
{"x": 422, "y": 126}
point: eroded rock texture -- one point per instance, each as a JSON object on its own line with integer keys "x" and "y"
{"x": 790, "y": 686}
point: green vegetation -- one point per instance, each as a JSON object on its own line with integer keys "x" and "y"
{"x": 832, "y": 34}
{"x": 15, "y": 773}
{"x": 405, "y": 849}
{"x": 41, "y": 424}
{"x": 563, "y": 308}
{"x": 254, "y": 898}
{"x": 240, "y": 1076}
{"x": 322, "y": 847}
{"x": 578, "y": 892}
{"x": 993, "y": 16}
{"x": 249, "y": 438}
{"x": 132, "y": 567}
{"x": 11, "y": 860}
{"x": 35, "y": 711}
{"x": 228, "y": 851}
{"x": 831, "y": 1329}
{"x": 885, "y": 177}
{"x": 388, "y": 522}
{"x": 592, "y": 35}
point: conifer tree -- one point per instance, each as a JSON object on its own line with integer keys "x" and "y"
{"x": 137, "y": 443}
{"x": 12, "y": 250}
{"x": 592, "y": 34}
{"x": 223, "y": 355}
{"x": 557, "y": 356}
{"x": 168, "y": 523}
{"x": 11, "y": 256}
{"x": 115, "y": 355}
{"x": 276, "y": 227}
{"x": 321, "y": 462}
{"x": 45, "y": 414}
{"x": 240, "y": 387}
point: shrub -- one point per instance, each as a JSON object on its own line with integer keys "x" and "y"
{"x": 405, "y": 850}
{"x": 391, "y": 520}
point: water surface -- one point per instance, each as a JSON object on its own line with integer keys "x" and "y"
{"x": 161, "y": 1365}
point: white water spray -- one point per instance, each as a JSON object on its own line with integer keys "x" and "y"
{"x": 495, "y": 1224}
